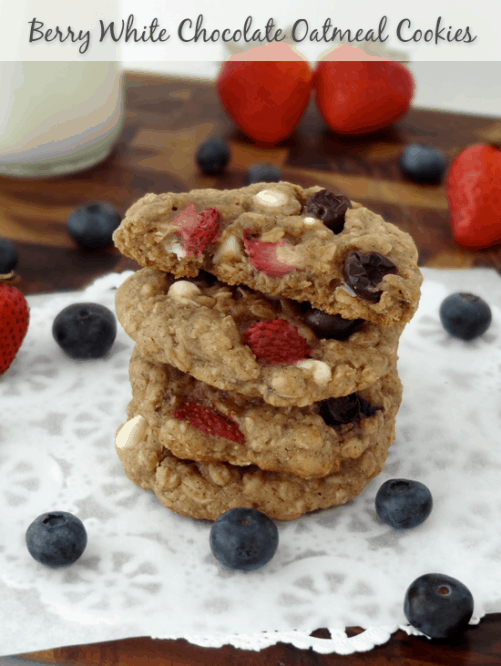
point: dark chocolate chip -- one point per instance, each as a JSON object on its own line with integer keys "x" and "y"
{"x": 366, "y": 409}
{"x": 363, "y": 272}
{"x": 328, "y": 207}
{"x": 336, "y": 411}
{"x": 330, "y": 327}
{"x": 348, "y": 409}
{"x": 302, "y": 306}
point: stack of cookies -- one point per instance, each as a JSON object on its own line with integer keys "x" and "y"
{"x": 266, "y": 323}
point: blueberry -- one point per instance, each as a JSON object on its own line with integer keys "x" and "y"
{"x": 263, "y": 173}
{"x": 438, "y": 605}
{"x": 243, "y": 539}
{"x": 422, "y": 164}
{"x": 92, "y": 226}
{"x": 85, "y": 330}
{"x": 403, "y": 504}
{"x": 212, "y": 156}
{"x": 56, "y": 539}
{"x": 8, "y": 256}
{"x": 465, "y": 316}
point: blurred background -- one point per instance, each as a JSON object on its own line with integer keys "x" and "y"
{"x": 467, "y": 87}
{"x": 75, "y": 133}
{"x": 50, "y": 111}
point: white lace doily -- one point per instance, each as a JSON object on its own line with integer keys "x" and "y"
{"x": 147, "y": 571}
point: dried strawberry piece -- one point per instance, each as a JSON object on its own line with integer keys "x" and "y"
{"x": 211, "y": 421}
{"x": 276, "y": 341}
{"x": 196, "y": 230}
{"x": 268, "y": 258}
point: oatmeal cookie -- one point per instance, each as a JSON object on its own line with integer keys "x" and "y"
{"x": 198, "y": 422}
{"x": 208, "y": 489}
{"x": 283, "y": 240}
{"x": 222, "y": 335}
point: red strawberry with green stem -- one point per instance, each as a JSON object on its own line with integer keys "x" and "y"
{"x": 14, "y": 318}
{"x": 265, "y": 97}
{"x": 361, "y": 96}
{"x": 474, "y": 194}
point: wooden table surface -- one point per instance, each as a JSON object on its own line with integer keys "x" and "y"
{"x": 166, "y": 118}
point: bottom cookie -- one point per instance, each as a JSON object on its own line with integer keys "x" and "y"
{"x": 206, "y": 490}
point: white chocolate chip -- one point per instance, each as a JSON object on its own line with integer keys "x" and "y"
{"x": 322, "y": 374}
{"x": 176, "y": 248}
{"x": 183, "y": 289}
{"x": 229, "y": 247}
{"x": 272, "y": 198}
{"x": 309, "y": 220}
{"x": 131, "y": 433}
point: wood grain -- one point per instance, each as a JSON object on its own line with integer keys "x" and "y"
{"x": 166, "y": 118}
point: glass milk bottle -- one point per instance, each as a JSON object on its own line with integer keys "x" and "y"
{"x": 58, "y": 117}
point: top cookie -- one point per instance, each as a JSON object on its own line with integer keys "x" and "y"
{"x": 281, "y": 240}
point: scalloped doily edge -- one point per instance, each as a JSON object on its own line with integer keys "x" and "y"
{"x": 339, "y": 642}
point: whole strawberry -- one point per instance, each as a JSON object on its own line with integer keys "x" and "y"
{"x": 357, "y": 97}
{"x": 14, "y": 318}
{"x": 474, "y": 194}
{"x": 265, "y": 97}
